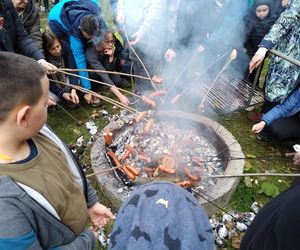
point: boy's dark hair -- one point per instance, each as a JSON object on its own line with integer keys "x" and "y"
{"x": 89, "y": 24}
{"x": 20, "y": 82}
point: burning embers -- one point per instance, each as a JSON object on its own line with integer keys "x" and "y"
{"x": 147, "y": 149}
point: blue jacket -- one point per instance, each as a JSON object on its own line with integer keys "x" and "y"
{"x": 288, "y": 108}
{"x": 64, "y": 20}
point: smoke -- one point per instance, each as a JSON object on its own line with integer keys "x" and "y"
{"x": 183, "y": 26}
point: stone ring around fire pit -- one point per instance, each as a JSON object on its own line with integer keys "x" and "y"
{"x": 218, "y": 191}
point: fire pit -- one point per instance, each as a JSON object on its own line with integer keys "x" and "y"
{"x": 180, "y": 147}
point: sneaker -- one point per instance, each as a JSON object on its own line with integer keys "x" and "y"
{"x": 255, "y": 117}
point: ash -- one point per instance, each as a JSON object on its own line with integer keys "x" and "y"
{"x": 182, "y": 144}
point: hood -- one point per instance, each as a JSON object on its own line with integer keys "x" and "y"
{"x": 8, "y": 188}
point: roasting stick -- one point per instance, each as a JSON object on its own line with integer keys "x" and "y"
{"x": 106, "y": 71}
{"x": 140, "y": 60}
{"x": 233, "y": 56}
{"x": 104, "y": 98}
{"x": 103, "y": 83}
{"x": 180, "y": 74}
{"x": 253, "y": 175}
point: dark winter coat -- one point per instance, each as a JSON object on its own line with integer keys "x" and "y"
{"x": 256, "y": 28}
{"x": 14, "y": 35}
{"x": 32, "y": 22}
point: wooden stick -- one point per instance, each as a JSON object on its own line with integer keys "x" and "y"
{"x": 104, "y": 98}
{"x": 106, "y": 72}
{"x": 232, "y": 57}
{"x": 290, "y": 154}
{"x": 103, "y": 171}
{"x": 137, "y": 56}
{"x": 253, "y": 175}
{"x": 103, "y": 83}
{"x": 140, "y": 60}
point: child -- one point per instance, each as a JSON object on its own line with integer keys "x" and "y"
{"x": 107, "y": 55}
{"x": 45, "y": 200}
{"x": 60, "y": 55}
{"x": 258, "y": 24}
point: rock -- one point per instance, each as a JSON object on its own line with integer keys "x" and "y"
{"x": 255, "y": 207}
{"x": 241, "y": 226}
{"x": 222, "y": 231}
{"x": 102, "y": 238}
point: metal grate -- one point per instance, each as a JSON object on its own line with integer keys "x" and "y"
{"x": 229, "y": 94}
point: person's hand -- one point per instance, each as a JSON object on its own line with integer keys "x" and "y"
{"x": 258, "y": 127}
{"x": 51, "y": 102}
{"x": 170, "y": 55}
{"x": 95, "y": 231}
{"x": 109, "y": 52}
{"x": 124, "y": 100}
{"x": 72, "y": 97}
{"x": 50, "y": 68}
{"x": 297, "y": 159}
{"x": 88, "y": 98}
{"x": 200, "y": 48}
{"x": 100, "y": 215}
{"x": 137, "y": 38}
{"x": 120, "y": 17}
{"x": 255, "y": 62}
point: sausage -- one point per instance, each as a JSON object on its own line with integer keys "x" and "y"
{"x": 184, "y": 183}
{"x": 158, "y": 93}
{"x": 166, "y": 169}
{"x": 149, "y": 101}
{"x": 130, "y": 175}
{"x": 148, "y": 126}
{"x": 125, "y": 155}
{"x": 130, "y": 149}
{"x": 112, "y": 155}
{"x": 189, "y": 174}
{"x": 140, "y": 116}
{"x": 175, "y": 99}
{"x": 133, "y": 170}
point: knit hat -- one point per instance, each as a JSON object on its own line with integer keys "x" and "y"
{"x": 161, "y": 216}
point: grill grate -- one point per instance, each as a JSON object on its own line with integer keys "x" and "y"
{"x": 229, "y": 94}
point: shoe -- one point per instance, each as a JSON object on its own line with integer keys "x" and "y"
{"x": 255, "y": 117}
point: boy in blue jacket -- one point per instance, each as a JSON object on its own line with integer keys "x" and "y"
{"x": 77, "y": 21}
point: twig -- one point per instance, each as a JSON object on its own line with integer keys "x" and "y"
{"x": 112, "y": 101}
{"x": 103, "y": 171}
{"x": 106, "y": 72}
{"x": 103, "y": 83}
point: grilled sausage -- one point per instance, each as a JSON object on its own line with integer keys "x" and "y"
{"x": 158, "y": 93}
{"x": 148, "y": 126}
{"x": 189, "y": 174}
{"x": 133, "y": 170}
{"x": 130, "y": 149}
{"x": 113, "y": 156}
{"x": 130, "y": 175}
{"x": 140, "y": 116}
{"x": 166, "y": 169}
{"x": 175, "y": 99}
{"x": 149, "y": 101}
{"x": 184, "y": 183}
{"x": 125, "y": 155}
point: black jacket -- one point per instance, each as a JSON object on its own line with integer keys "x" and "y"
{"x": 32, "y": 22}
{"x": 256, "y": 29}
{"x": 15, "y": 37}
